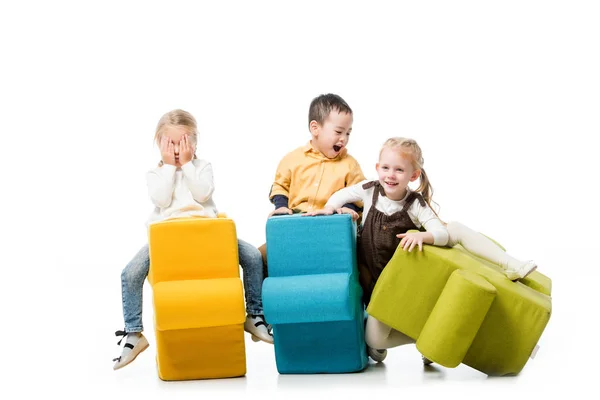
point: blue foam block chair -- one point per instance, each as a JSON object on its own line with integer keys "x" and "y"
{"x": 312, "y": 296}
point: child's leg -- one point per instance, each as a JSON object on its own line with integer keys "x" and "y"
{"x": 132, "y": 285}
{"x": 481, "y": 246}
{"x": 380, "y": 336}
{"x": 251, "y": 262}
{"x": 263, "y": 252}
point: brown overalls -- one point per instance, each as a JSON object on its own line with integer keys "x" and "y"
{"x": 377, "y": 241}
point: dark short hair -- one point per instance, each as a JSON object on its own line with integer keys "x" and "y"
{"x": 322, "y": 105}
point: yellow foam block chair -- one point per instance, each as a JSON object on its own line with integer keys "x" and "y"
{"x": 198, "y": 299}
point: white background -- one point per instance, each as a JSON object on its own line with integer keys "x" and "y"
{"x": 503, "y": 98}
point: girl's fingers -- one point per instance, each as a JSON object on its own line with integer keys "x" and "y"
{"x": 412, "y": 245}
{"x": 401, "y": 235}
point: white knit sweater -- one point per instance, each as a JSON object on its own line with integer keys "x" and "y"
{"x": 184, "y": 192}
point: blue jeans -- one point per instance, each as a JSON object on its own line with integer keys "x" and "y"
{"x": 135, "y": 273}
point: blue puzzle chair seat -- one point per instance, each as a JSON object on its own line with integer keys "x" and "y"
{"x": 312, "y": 296}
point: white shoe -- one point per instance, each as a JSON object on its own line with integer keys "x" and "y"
{"x": 133, "y": 346}
{"x": 521, "y": 272}
{"x": 377, "y": 355}
{"x": 258, "y": 328}
{"x": 426, "y": 361}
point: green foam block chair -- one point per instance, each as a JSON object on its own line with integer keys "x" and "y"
{"x": 462, "y": 309}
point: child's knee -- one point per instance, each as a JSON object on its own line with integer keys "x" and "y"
{"x": 454, "y": 232}
{"x": 137, "y": 269}
{"x": 133, "y": 274}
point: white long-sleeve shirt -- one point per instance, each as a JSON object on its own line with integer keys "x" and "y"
{"x": 184, "y": 192}
{"x": 420, "y": 216}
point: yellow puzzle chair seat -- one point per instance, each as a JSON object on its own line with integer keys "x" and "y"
{"x": 198, "y": 299}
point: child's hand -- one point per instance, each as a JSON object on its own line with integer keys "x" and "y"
{"x": 410, "y": 240}
{"x": 323, "y": 211}
{"x": 186, "y": 150}
{"x": 281, "y": 210}
{"x": 167, "y": 151}
{"x": 346, "y": 210}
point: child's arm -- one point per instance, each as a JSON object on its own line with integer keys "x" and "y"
{"x": 436, "y": 233}
{"x": 161, "y": 183}
{"x": 355, "y": 176}
{"x": 346, "y": 196}
{"x": 339, "y": 200}
{"x": 280, "y": 189}
{"x": 199, "y": 180}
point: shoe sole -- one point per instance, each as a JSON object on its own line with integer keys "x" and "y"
{"x": 254, "y": 337}
{"x": 376, "y": 356}
{"x": 257, "y": 339}
{"x": 141, "y": 349}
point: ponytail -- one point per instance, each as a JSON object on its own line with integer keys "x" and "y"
{"x": 426, "y": 190}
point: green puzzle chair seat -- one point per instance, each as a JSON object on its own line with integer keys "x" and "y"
{"x": 460, "y": 308}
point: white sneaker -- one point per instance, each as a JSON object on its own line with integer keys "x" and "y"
{"x": 377, "y": 355}
{"x": 133, "y": 346}
{"x": 258, "y": 328}
{"x": 521, "y": 272}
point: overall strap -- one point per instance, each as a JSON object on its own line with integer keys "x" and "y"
{"x": 411, "y": 198}
{"x": 378, "y": 189}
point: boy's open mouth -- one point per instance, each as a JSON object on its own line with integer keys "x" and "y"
{"x": 337, "y": 148}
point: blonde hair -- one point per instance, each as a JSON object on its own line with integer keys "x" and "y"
{"x": 410, "y": 149}
{"x": 177, "y": 118}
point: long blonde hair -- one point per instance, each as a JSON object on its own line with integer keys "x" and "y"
{"x": 177, "y": 117}
{"x": 410, "y": 149}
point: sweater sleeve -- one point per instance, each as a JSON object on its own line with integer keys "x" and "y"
{"x": 280, "y": 201}
{"x": 199, "y": 179}
{"x": 161, "y": 183}
{"x": 425, "y": 217}
{"x": 347, "y": 195}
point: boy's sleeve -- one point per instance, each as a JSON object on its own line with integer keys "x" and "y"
{"x": 280, "y": 201}
{"x": 355, "y": 175}
{"x": 283, "y": 177}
